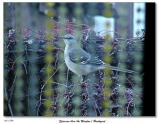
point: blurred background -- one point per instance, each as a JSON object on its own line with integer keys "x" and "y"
{"x": 36, "y": 79}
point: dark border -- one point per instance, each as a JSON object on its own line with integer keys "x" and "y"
{"x": 149, "y": 62}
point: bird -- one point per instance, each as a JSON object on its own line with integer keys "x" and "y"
{"x": 81, "y": 62}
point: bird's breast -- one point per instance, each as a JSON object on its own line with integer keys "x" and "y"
{"x": 68, "y": 62}
{"x": 75, "y": 68}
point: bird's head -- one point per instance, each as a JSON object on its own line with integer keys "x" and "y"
{"x": 69, "y": 39}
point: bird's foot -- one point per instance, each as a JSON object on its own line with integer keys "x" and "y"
{"x": 82, "y": 78}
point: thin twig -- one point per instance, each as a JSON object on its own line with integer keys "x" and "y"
{"x": 12, "y": 88}
{"x": 25, "y": 68}
{"x": 9, "y": 104}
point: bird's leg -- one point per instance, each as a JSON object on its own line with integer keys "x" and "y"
{"x": 82, "y": 78}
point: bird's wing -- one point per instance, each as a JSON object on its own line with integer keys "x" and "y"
{"x": 95, "y": 61}
{"x": 79, "y": 56}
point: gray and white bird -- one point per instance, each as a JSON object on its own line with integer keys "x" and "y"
{"x": 81, "y": 62}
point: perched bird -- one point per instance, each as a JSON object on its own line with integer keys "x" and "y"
{"x": 81, "y": 62}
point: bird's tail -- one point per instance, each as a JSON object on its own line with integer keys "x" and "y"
{"x": 119, "y": 69}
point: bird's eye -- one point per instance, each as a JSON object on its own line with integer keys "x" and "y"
{"x": 68, "y": 38}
